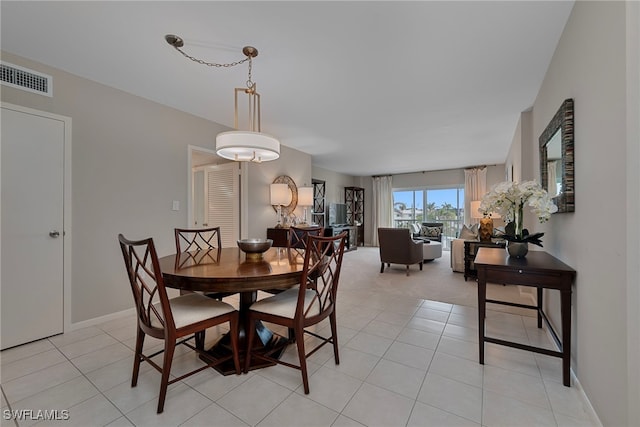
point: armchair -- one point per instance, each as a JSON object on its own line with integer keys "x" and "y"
{"x": 397, "y": 247}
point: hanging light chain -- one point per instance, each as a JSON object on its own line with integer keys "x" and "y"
{"x": 250, "y": 84}
{"x": 251, "y": 52}
{"x": 212, "y": 64}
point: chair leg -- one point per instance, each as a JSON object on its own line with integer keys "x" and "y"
{"x": 382, "y": 268}
{"x": 137, "y": 357}
{"x": 166, "y": 369}
{"x": 421, "y": 266}
{"x": 302, "y": 358}
{"x": 249, "y": 336}
{"x": 407, "y": 270}
{"x": 334, "y": 336}
{"x": 233, "y": 330}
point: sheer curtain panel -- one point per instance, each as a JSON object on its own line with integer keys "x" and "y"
{"x": 382, "y": 205}
{"x": 475, "y": 186}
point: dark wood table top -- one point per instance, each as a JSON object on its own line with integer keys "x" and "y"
{"x": 228, "y": 270}
{"x": 534, "y": 261}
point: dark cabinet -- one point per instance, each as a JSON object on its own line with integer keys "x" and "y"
{"x": 352, "y": 236}
{"x": 470, "y": 249}
{"x": 354, "y": 199}
{"x": 279, "y": 236}
{"x": 318, "y": 215}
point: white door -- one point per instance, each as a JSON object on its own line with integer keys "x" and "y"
{"x": 32, "y": 234}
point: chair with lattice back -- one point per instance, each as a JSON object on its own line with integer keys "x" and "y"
{"x": 194, "y": 243}
{"x": 296, "y": 245}
{"x": 303, "y": 306}
{"x": 202, "y": 239}
{"x": 170, "y": 320}
{"x": 297, "y": 240}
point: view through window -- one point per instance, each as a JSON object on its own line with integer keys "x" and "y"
{"x": 445, "y": 205}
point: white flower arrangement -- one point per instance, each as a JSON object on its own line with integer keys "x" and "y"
{"x": 509, "y": 198}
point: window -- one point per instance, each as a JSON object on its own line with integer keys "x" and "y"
{"x": 445, "y": 205}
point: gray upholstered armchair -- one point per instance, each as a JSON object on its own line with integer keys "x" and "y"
{"x": 397, "y": 247}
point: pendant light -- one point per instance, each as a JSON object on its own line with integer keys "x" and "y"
{"x": 249, "y": 145}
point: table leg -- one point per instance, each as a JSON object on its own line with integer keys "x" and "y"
{"x": 482, "y": 297}
{"x": 266, "y": 340}
{"x": 539, "y": 304}
{"x": 565, "y": 302}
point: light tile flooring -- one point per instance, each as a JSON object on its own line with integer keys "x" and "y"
{"x": 404, "y": 361}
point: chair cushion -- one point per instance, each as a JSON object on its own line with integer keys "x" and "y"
{"x": 192, "y": 308}
{"x": 284, "y": 303}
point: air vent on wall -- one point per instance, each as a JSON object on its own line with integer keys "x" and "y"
{"x": 22, "y": 78}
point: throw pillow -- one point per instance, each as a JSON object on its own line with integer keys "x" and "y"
{"x": 415, "y": 228}
{"x": 434, "y": 232}
{"x": 469, "y": 233}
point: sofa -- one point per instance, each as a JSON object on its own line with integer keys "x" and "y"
{"x": 427, "y": 231}
{"x": 457, "y": 246}
{"x": 470, "y": 232}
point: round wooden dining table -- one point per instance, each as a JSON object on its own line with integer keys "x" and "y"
{"x": 228, "y": 270}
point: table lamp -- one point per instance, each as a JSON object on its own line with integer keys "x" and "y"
{"x": 280, "y": 196}
{"x": 485, "y": 231}
{"x": 305, "y": 199}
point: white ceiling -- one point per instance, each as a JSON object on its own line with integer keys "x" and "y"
{"x": 365, "y": 87}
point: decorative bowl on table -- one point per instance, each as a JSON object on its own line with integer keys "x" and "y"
{"x": 254, "y": 248}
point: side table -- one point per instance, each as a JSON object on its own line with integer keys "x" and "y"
{"x": 470, "y": 249}
{"x": 540, "y": 270}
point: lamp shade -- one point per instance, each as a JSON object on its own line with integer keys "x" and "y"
{"x": 247, "y": 146}
{"x": 475, "y": 212}
{"x": 280, "y": 194}
{"x": 305, "y": 196}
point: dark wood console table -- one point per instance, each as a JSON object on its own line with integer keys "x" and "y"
{"x": 281, "y": 235}
{"x": 540, "y": 270}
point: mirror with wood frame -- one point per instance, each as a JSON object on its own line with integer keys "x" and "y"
{"x": 557, "y": 158}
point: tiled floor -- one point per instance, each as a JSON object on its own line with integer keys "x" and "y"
{"x": 406, "y": 360}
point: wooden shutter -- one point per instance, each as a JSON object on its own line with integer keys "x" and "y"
{"x": 223, "y": 201}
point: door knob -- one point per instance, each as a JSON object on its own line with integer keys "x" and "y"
{"x": 54, "y": 233}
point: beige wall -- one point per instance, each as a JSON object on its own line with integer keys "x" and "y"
{"x": 129, "y": 162}
{"x": 589, "y": 65}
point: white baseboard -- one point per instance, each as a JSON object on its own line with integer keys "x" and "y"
{"x": 576, "y": 383}
{"x": 101, "y": 319}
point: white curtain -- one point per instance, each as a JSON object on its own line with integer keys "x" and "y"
{"x": 552, "y": 186}
{"x": 475, "y": 186}
{"x": 382, "y": 205}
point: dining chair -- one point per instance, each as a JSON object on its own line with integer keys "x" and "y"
{"x": 313, "y": 301}
{"x": 196, "y": 242}
{"x": 189, "y": 240}
{"x": 297, "y": 239}
{"x": 170, "y": 320}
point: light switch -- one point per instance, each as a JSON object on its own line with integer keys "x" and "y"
{"x": 176, "y": 205}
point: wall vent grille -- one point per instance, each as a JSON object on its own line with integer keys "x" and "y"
{"x": 25, "y": 79}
